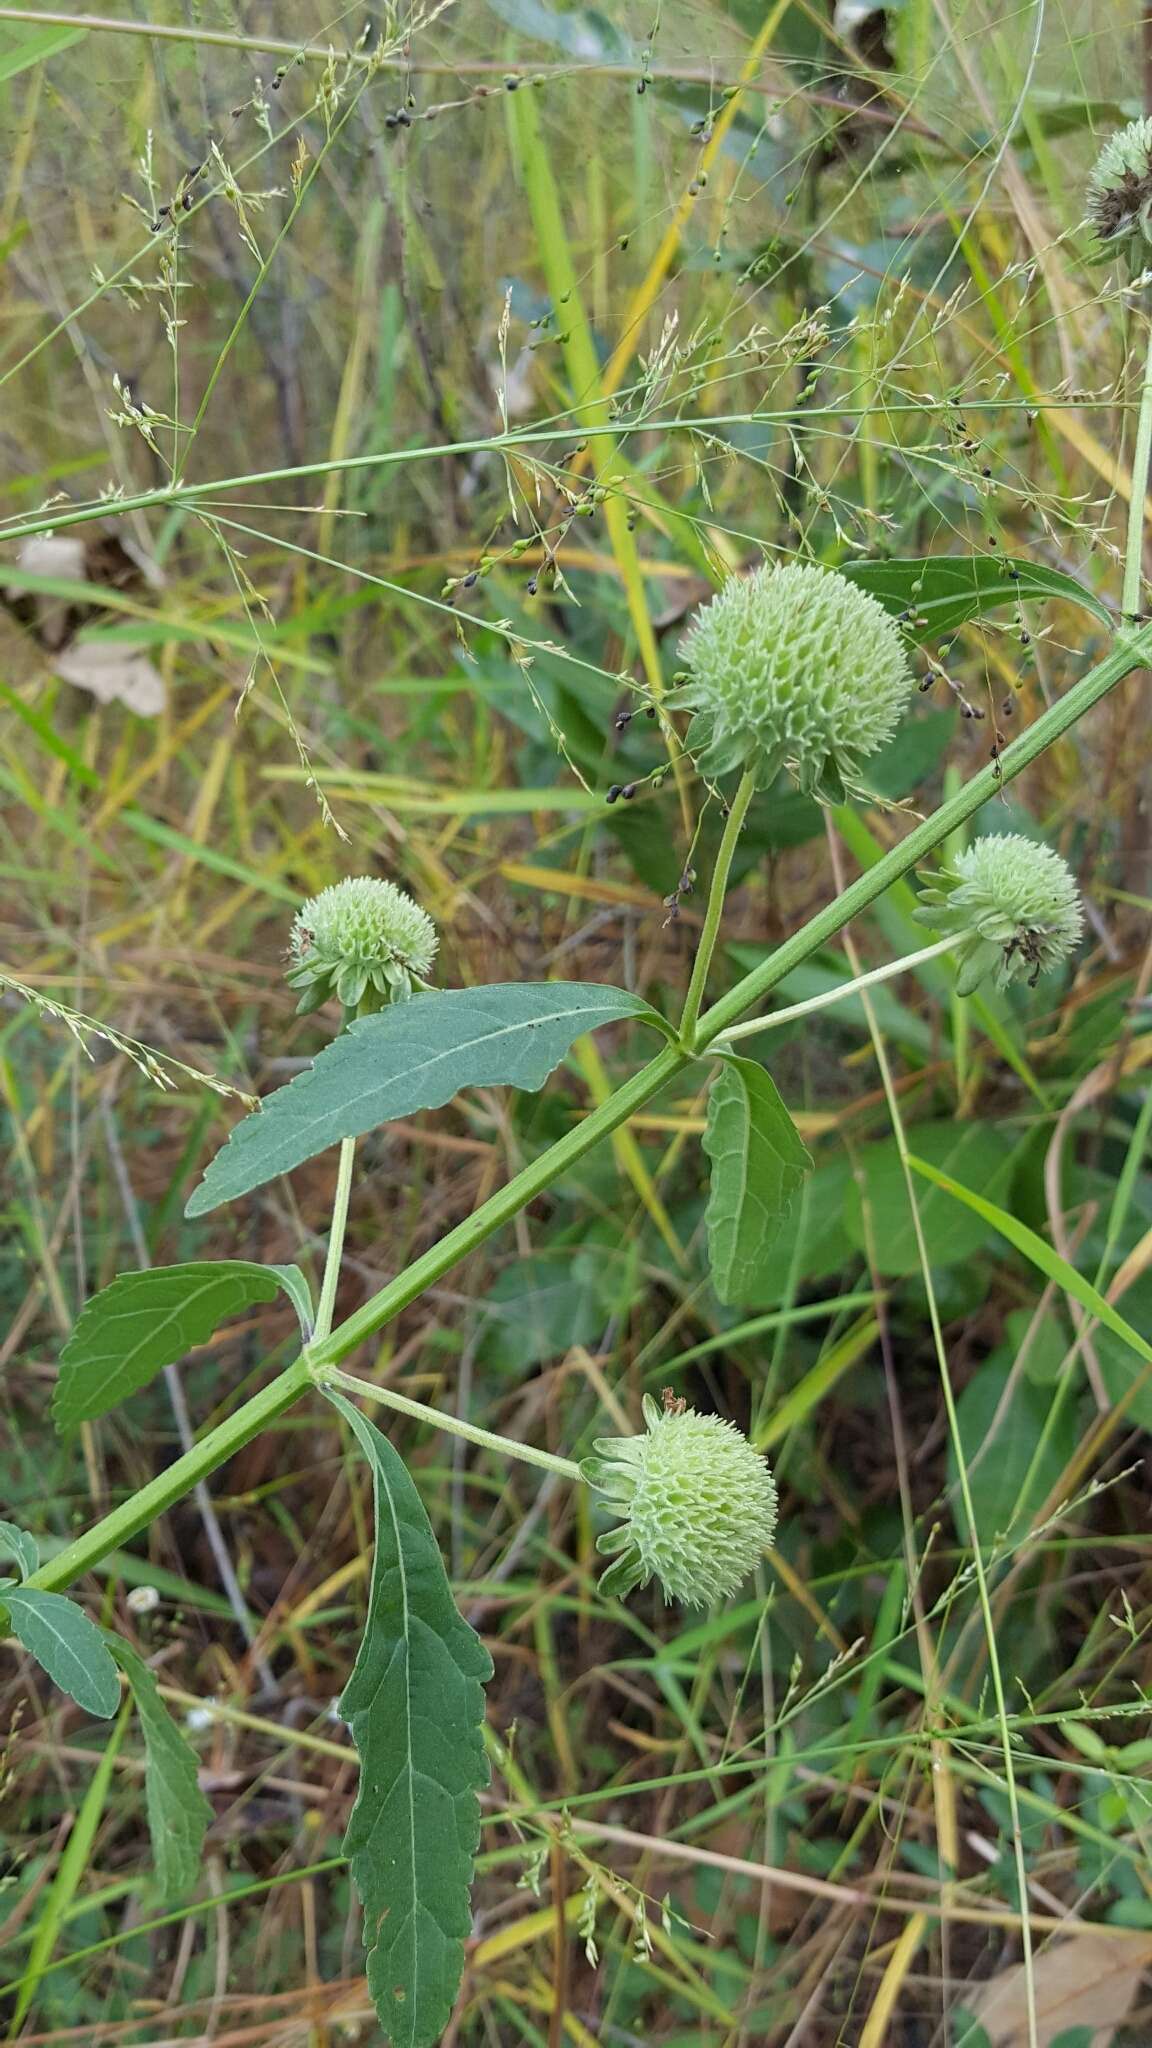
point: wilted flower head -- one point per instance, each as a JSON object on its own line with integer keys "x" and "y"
{"x": 1015, "y": 903}
{"x": 1119, "y": 194}
{"x": 362, "y": 940}
{"x": 698, "y": 1505}
{"x": 792, "y": 666}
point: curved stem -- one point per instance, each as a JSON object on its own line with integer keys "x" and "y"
{"x": 505, "y": 1445}
{"x": 335, "y": 1240}
{"x": 1133, "y": 650}
{"x": 715, "y": 909}
{"x": 1134, "y": 552}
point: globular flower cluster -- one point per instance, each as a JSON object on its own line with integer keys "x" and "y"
{"x": 1014, "y": 904}
{"x": 364, "y": 941}
{"x": 793, "y": 667}
{"x": 1119, "y": 197}
{"x": 698, "y": 1504}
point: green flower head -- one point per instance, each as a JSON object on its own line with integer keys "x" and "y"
{"x": 792, "y": 667}
{"x": 363, "y": 941}
{"x": 698, "y": 1505}
{"x": 1012, "y": 903}
{"x": 1119, "y": 197}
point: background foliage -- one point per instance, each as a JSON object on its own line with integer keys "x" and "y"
{"x": 847, "y": 311}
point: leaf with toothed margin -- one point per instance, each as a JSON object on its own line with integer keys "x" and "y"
{"x": 758, "y": 1162}
{"x": 415, "y": 1055}
{"x": 179, "y": 1815}
{"x": 415, "y": 1705}
{"x": 65, "y": 1644}
{"x": 142, "y": 1322}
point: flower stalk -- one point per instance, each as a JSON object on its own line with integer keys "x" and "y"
{"x": 1133, "y": 650}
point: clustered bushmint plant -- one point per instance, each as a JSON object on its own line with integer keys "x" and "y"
{"x": 1119, "y": 197}
{"x": 364, "y": 941}
{"x": 698, "y": 1505}
{"x": 792, "y": 668}
{"x": 1011, "y": 904}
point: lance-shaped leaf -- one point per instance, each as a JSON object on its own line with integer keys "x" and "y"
{"x": 415, "y": 1704}
{"x": 178, "y": 1813}
{"x": 415, "y": 1055}
{"x": 758, "y": 1162}
{"x": 934, "y": 594}
{"x": 142, "y": 1322}
{"x": 66, "y": 1645}
{"x": 17, "y": 1543}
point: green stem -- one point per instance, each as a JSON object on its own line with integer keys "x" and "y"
{"x": 1132, "y": 651}
{"x": 229, "y": 1436}
{"x": 505, "y": 1445}
{"x": 335, "y": 1241}
{"x": 175, "y": 1481}
{"x": 1134, "y": 552}
{"x": 835, "y": 995}
{"x": 715, "y": 909}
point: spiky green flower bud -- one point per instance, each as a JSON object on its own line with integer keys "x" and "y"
{"x": 1014, "y": 903}
{"x": 792, "y": 667}
{"x": 698, "y": 1505}
{"x": 363, "y": 941}
{"x": 1119, "y": 197}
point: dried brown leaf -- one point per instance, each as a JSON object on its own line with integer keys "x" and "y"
{"x": 1090, "y": 1980}
{"x": 111, "y": 671}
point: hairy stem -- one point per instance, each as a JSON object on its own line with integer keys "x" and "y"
{"x": 1132, "y": 651}
{"x": 1134, "y": 552}
{"x": 491, "y": 1441}
{"x": 715, "y": 909}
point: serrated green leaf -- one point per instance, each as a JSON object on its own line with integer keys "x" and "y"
{"x": 17, "y": 1543}
{"x": 758, "y": 1162}
{"x": 142, "y": 1322}
{"x": 296, "y": 1287}
{"x": 178, "y": 1813}
{"x": 66, "y": 1645}
{"x": 415, "y": 1055}
{"x": 944, "y": 591}
{"x": 415, "y": 1705}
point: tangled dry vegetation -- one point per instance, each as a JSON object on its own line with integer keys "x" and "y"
{"x": 314, "y": 305}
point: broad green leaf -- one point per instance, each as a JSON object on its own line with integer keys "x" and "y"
{"x": 178, "y": 1813}
{"x": 415, "y": 1705}
{"x": 939, "y": 592}
{"x": 1041, "y": 1255}
{"x": 975, "y": 1150}
{"x": 1000, "y": 1438}
{"x": 758, "y": 1162}
{"x": 68, "y": 1646}
{"x": 416, "y": 1055}
{"x": 142, "y": 1322}
{"x": 17, "y": 1543}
